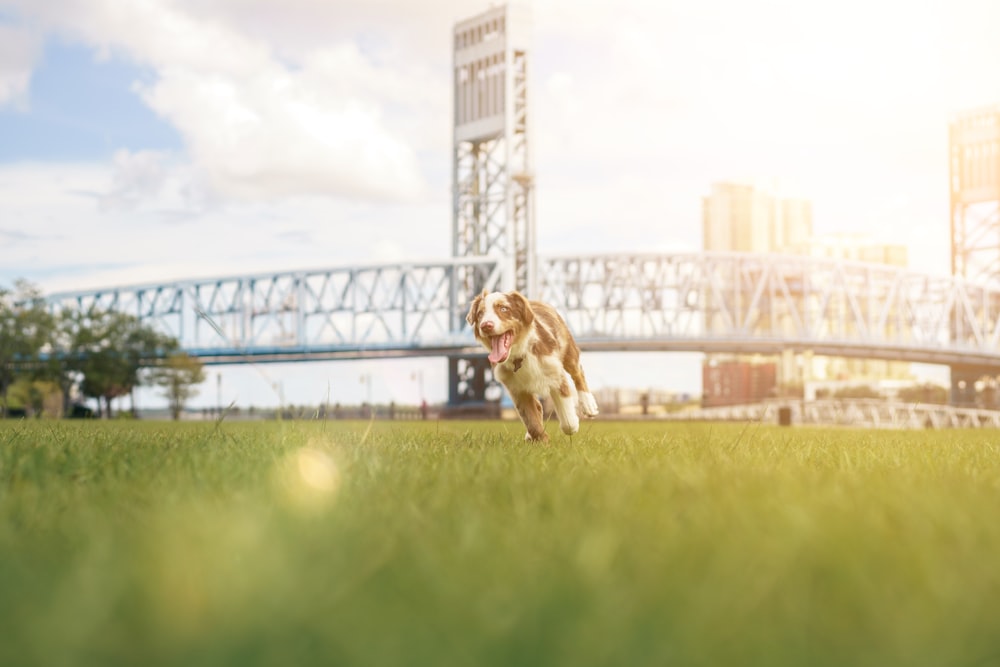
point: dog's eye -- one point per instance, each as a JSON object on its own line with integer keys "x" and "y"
{"x": 504, "y": 309}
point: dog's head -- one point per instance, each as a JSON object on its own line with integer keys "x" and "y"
{"x": 498, "y": 320}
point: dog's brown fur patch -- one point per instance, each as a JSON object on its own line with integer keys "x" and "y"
{"x": 546, "y": 343}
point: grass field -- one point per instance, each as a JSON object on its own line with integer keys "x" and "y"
{"x": 455, "y": 543}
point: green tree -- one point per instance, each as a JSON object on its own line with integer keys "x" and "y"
{"x": 31, "y": 394}
{"x": 178, "y": 375}
{"x": 111, "y": 348}
{"x": 64, "y": 362}
{"x": 25, "y": 326}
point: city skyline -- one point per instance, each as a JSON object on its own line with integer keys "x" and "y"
{"x": 141, "y": 143}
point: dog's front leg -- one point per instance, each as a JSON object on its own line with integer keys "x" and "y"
{"x": 564, "y": 399}
{"x": 530, "y": 410}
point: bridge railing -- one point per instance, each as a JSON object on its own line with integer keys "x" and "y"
{"x": 853, "y": 412}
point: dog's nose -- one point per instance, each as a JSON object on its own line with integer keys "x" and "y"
{"x": 486, "y": 326}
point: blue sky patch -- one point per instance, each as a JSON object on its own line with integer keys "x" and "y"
{"x": 82, "y": 109}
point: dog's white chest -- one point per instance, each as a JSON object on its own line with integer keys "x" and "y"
{"x": 527, "y": 373}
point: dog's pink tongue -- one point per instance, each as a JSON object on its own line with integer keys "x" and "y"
{"x": 501, "y": 348}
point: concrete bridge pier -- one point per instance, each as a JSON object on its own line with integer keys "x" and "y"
{"x": 469, "y": 387}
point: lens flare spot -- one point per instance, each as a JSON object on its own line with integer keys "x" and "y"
{"x": 308, "y": 479}
{"x": 317, "y": 470}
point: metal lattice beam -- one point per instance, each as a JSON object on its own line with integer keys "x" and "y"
{"x": 341, "y": 312}
{"x": 734, "y": 302}
{"x": 711, "y": 302}
{"x": 492, "y": 181}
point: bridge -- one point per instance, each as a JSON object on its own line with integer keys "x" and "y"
{"x": 705, "y": 302}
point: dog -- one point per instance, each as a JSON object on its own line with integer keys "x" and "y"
{"x": 533, "y": 354}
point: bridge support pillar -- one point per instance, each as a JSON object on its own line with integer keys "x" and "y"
{"x": 963, "y": 385}
{"x": 471, "y": 387}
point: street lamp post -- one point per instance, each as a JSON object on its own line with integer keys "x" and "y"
{"x": 366, "y": 379}
{"x": 418, "y": 377}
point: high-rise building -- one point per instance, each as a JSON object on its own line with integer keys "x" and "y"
{"x": 974, "y": 147}
{"x": 746, "y": 217}
{"x": 854, "y": 247}
{"x": 794, "y": 223}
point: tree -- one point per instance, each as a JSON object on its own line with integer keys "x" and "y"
{"x": 65, "y": 353}
{"x": 178, "y": 375}
{"x": 8, "y": 347}
{"x": 25, "y": 326}
{"x": 112, "y": 347}
{"x": 34, "y": 396}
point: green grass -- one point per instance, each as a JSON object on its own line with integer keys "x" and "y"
{"x": 456, "y": 543}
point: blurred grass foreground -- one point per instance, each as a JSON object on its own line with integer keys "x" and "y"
{"x": 456, "y": 543}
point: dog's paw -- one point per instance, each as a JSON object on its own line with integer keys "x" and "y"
{"x": 571, "y": 427}
{"x": 542, "y": 438}
{"x": 587, "y": 404}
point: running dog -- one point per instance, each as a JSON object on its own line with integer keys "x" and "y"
{"x": 533, "y": 354}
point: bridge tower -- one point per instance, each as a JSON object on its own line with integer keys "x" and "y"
{"x": 974, "y": 152}
{"x": 974, "y": 170}
{"x": 492, "y": 181}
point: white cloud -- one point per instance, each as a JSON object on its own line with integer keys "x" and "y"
{"x": 256, "y": 127}
{"x": 19, "y": 49}
{"x": 73, "y": 243}
{"x": 637, "y": 108}
{"x": 273, "y": 136}
{"x": 391, "y": 32}
{"x": 137, "y": 177}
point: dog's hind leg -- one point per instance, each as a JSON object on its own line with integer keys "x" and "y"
{"x": 586, "y": 404}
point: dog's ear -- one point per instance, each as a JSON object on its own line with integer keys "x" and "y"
{"x": 522, "y": 309}
{"x": 477, "y": 304}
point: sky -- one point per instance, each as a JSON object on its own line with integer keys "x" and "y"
{"x": 152, "y": 140}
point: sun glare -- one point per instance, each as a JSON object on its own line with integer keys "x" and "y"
{"x": 317, "y": 470}
{"x": 308, "y": 479}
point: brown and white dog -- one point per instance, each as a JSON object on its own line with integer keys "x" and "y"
{"x": 533, "y": 354}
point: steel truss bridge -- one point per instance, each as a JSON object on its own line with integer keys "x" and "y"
{"x": 707, "y": 302}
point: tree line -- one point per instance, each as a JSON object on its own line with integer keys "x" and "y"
{"x": 99, "y": 354}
